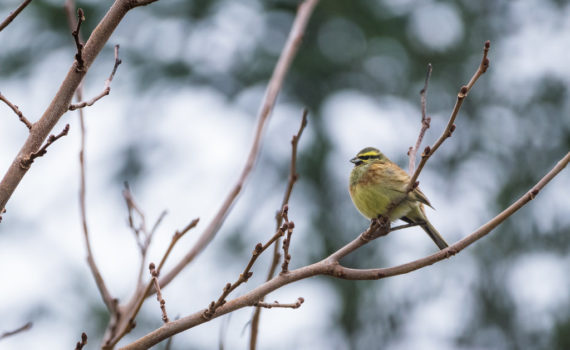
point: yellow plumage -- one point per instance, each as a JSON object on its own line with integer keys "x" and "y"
{"x": 376, "y": 183}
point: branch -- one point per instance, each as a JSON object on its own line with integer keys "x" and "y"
{"x": 82, "y": 343}
{"x": 293, "y": 176}
{"x": 245, "y": 275}
{"x": 80, "y": 67}
{"x": 16, "y": 331}
{"x": 412, "y": 152}
{"x": 28, "y": 160}
{"x": 274, "y": 86}
{"x": 295, "y": 305}
{"x": 14, "y": 14}
{"x": 16, "y": 110}
{"x": 331, "y": 267}
{"x": 161, "y": 301}
{"x": 125, "y": 323}
{"x": 107, "y": 88}
{"x": 450, "y": 125}
{"x": 60, "y": 103}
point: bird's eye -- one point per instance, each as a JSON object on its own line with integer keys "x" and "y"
{"x": 364, "y": 157}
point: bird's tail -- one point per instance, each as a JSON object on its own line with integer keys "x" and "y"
{"x": 434, "y": 235}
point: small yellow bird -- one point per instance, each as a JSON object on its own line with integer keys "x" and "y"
{"x": 376, "y": 182}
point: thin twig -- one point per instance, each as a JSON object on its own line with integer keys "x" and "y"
{"x": 16, "y": 110}
{"x": 245, "y": 275}
{"x": 79, "y": 55}
{"x": 135, "y": 304}
{"x": 294, "y": 305}
{"x": 159, "y": 297}
{"x": 274, "y": 86}
{"x": 28, "y": 160}
{"x": 450, "y": 125}
{"x": 82, "y": 343}
{"x": 110, "y": 302}
{"x": 287, "y": 240}
{"x": 331, "y": 267}
{"x": 14, "y": 14}
{"x": 293, "y": 176}
{"x": 16, "y": 331}
{"x": 412, "y": 152}
{"x": 107, "y": 87}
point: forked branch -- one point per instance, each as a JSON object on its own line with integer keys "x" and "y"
{"x": 331, "y": 267}
{"x": 428, "y": 151}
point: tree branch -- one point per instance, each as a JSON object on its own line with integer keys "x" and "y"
{"x": 331, "y": 267}
{"x": 82, "y": 343}
{"x": 61, "y": 101}
{"x": 450, "y": 125}
{"x": 14, "y": 14}
{"x": 23, "y": 328}
{"x": 107, "y": 87}
{"x": 16, "y": 110}
{"x": 412, "y": 152}
{"x": 79, "y": 55}
{"x": 295, "y": 305}
{"x": 293, "y": 177}
{"x": 274, "y": 86}
{"x": 29, "y": 159}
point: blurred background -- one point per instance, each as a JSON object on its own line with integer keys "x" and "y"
{"x": 178, "y": 125}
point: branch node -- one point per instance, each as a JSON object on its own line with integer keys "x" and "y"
{"x": 26, "y": 161}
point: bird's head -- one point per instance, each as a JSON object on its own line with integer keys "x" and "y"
{"x": 367, "y": 155}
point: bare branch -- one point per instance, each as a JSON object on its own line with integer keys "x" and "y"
{"x": 330, "y": 266}
{"x": 16, "y": 110}
{"x": 16, "y": 331}
{"x": 159, "y": 297}
{"x": 425, "y": 123}
{"x": 123, "y": 325}
{"x": 295, "y": 305}
{"x": 107, "y": 88}
{"x": 82, "y": 343}
{"x": 60, "y": 103}
{"x": 274, "y": 86}
{"x": 80, "y": 67}
{"x": 14, "y": 14}
{"x": 245, "y": 275}
{"x": 450, "y": 125}
{"x": 28, "y": 160}
{"x": 293, "y": 176}
{"x": 287, "y": 241}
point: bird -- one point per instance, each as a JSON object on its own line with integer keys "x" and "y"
{"x": 377, "y": 184}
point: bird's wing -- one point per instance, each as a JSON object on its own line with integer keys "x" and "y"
{"x": 421, "y": 197}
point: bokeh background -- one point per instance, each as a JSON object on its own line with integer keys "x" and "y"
{"x": 178, "y": 125}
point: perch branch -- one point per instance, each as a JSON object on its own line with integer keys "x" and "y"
{"x": 16, "y": 110}
{"x": 274, "y": 86}
{"x": 14, "y": 14}
{"x": 330, "y": 266}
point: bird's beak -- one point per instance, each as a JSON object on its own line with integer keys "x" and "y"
{"x": 355, "y": 160}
